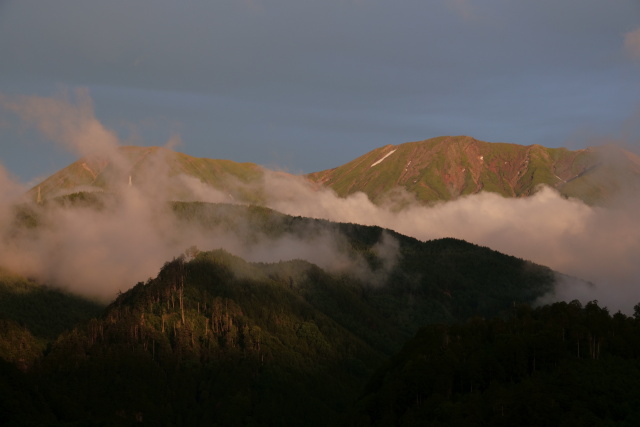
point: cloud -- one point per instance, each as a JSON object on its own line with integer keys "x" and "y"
{"x": 632, "y": 43}
{"x": 66, "y": 119}
{"x": 598, "y": 244}
{"x": 98, "y": 252}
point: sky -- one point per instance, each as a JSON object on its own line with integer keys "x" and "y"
{"x": 305, "y": 86}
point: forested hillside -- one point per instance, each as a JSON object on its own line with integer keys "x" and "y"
{"x": 562, "y": 364}
{"x": 216, "y": 340}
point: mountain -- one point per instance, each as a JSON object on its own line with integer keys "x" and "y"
{"x": 213, "y": 339}
{"x": 155, "y": 167}
{"x": 448, "y": 167}
{"x": 216, "y": 340}
{"x": 437, "y": 169}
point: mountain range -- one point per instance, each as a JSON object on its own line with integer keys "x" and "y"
{"x": 437, "y": 169}
{"x": 374, "y": 328}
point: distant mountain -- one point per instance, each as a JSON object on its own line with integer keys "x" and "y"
{"x": 437, "y": 169}
{"x": 445, "y": 168}
{"x": 156, "y": 167}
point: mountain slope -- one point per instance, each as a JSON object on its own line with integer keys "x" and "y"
{"x": 445, "y": 168}
{"x": 438, "y": 169}
{"x": 562, "y": 364}
{"x": 156, "y": 168}
{"x": 445, "y": 279}
{"x": 214, "y": 339}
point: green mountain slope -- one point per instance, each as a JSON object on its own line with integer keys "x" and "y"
{"x": 437, "y": 169}
{"x": 33, "y": 315}
{"x": 156, "y": 168}
{"x": 445, "y": 279}
{"x": 445, "y": 168}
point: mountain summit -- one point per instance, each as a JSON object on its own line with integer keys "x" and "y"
{"x": 159, "y": 168}
{"x": 447, "y": 167}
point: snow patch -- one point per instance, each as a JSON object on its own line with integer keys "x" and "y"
{"x": 385, "y": 156}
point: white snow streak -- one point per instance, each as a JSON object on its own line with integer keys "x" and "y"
{"x": 385, "y": 156}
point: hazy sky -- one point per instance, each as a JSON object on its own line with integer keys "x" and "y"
{"x": 309, "y": 85}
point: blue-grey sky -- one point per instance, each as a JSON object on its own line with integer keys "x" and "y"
{"x": 308, "y": 85}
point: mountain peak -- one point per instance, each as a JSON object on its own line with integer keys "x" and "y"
{"x": 447, "y": 167}
{"x": 437, "y": 169}
{"x": 159, "y": 167}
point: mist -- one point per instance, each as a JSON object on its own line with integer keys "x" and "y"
{"x": 100, "y": 252}
{"x": 597, "y": 244}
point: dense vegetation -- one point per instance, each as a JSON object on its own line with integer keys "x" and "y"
{"x": 434, "y": 281}
{"x": 561, "y": 365}
{"x": 214, "y": 340}
{"x": 45, "y": 312}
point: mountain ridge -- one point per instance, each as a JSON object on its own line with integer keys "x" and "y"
{"x": 213, "y": 339}
{"x": 444, "y": 168}
{"x": 437, "y": 169}
{"x": 98, "y": 173}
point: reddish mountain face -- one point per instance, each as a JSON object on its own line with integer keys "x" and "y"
{"x": 437, "y": 169}
{"x": 445, "y": 168}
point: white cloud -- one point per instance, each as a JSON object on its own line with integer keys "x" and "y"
{"x": 97, "y": 253}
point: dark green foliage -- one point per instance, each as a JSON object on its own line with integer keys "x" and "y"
{"x": 562, "y": 364}
{"x": 45, "y": 312}
{"x": 435, "y": 281}
{"x": 218, "y": 340}
{"x": 17, "y": 344}
{"x": 214, "y": 340}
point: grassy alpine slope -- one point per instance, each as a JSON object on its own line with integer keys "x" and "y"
{"x": 437, "y": 169}
{"x": 145, "y": 165}
{"x": 447, "y": 167}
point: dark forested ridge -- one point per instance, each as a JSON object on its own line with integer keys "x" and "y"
{"x": 215, "y": 340}
{"x": 562, "y": 364}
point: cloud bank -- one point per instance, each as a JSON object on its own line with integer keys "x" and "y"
{"x": 98, "y": 252}
{"x": 597, "y": 244}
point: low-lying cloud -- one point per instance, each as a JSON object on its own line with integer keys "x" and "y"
{"x": 598, "y": 244}
{"x": 98, "y": 252}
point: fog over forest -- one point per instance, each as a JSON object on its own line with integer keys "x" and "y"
{"x": 98, "y": 253}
